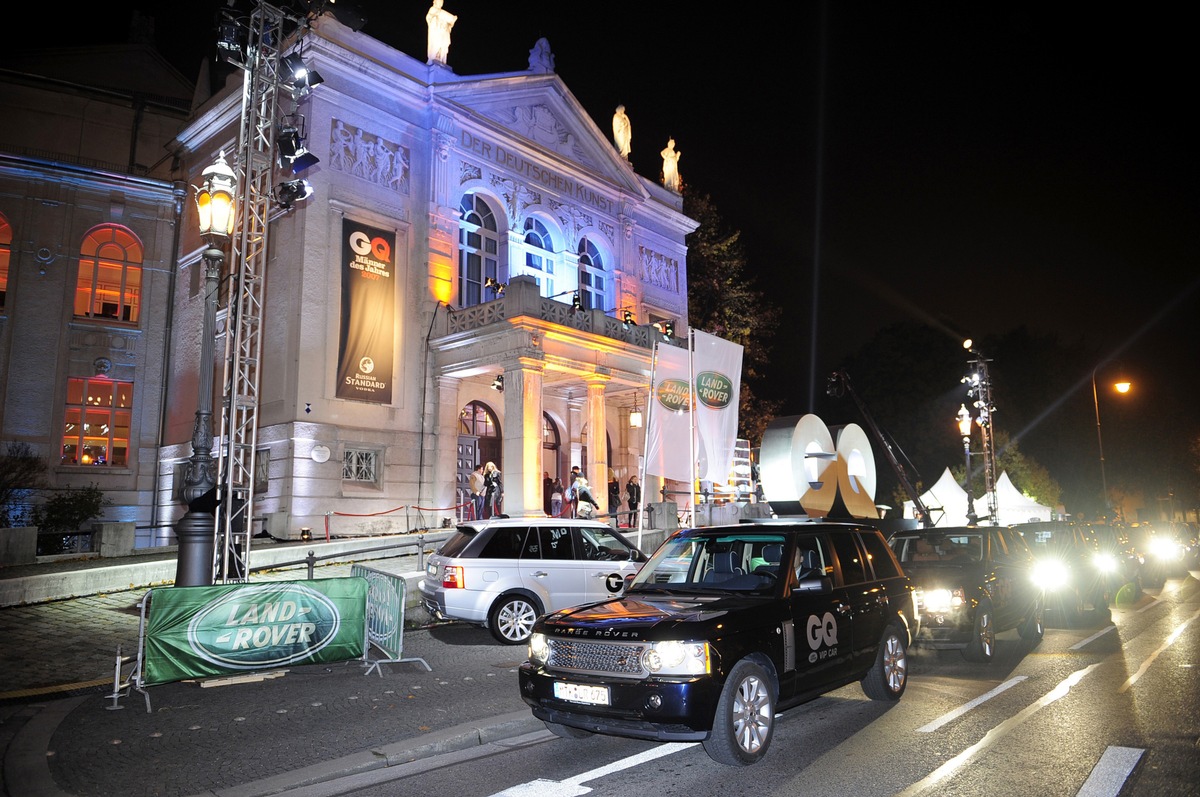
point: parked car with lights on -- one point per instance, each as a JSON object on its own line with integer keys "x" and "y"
{"x": 720, "y": 629}
{"x": 1076, "y": 576}
{"x": 971, "y": 583}
{"x": 504, "y": 572}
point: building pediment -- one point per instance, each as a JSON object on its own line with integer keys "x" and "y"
{"x": 540, "y": 110}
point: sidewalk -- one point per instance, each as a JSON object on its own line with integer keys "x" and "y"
{"x": 62, "y": 733}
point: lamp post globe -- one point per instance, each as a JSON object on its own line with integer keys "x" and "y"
{"x": 196, "y": 530}
{"x": 964, "y": 428}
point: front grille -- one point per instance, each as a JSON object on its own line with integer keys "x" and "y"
{"x": 602, "y": 658}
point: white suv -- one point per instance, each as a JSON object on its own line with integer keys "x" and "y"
{"x": 505, "y": 572}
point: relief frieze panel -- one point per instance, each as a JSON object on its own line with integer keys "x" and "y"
{"x": 659, "y": 270}
{"x": 369, "y": 157}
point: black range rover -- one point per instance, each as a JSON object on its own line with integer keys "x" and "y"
{"x": 723, "y": 627}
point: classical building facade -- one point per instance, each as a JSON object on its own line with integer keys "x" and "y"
{"x": 89, "y": 213}
{"x": 477, "y": 275}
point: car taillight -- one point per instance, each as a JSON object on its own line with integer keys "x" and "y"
{"x": 452, "y": 577}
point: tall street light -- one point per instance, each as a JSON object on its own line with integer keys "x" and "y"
{"x": 1121, "y": 387}
{"x": 964, "y": 428}
{"x": 196, "y": 531}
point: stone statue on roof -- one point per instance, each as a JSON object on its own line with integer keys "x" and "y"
{"x": 440, "y": 22}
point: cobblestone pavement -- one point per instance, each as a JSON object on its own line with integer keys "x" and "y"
{"x": 62, "y": 732}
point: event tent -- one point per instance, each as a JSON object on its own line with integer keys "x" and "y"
{"x": 946, "y": 501}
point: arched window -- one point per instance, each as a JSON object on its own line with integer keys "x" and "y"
{"x": 593, "y": 279}
{"x": 110, "y": 275}
{"x": 478, "y": 249}
{"x": 539, "y": 257}
{"x": 5, "y": 254}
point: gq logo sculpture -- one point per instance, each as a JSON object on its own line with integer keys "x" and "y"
{"x": 802, "y": 470}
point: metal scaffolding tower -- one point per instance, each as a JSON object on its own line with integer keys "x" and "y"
{"x": 979, "y": 389}
{"x": 243, "y": 330}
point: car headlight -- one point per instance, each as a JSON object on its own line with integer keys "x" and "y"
{"x": 677, "y": 658}
{"x": 938, "y": 601}
{"x": 539, "y": 649}
{"x": 1162, "y": 548}
{"x": 1105, "y": 562}
{"x": 1051, "y": 575}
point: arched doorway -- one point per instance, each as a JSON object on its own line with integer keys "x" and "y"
{"x": 479, "y": 441}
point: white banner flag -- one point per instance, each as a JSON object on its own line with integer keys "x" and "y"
{"x": 718, "y": 379}
{"x": 668, "y": 445}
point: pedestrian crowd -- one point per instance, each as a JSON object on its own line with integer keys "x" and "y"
{"x": 574, "y": 499}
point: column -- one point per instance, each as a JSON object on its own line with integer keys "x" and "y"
{"x": 522, "y": 473}
{"x": 597, "y": 424}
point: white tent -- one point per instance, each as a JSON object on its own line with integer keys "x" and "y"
{"x": 947, "y": 503}
{"x": 1013, "y": 507}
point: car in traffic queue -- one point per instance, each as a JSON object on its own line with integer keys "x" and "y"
{"x": 1163, "y": 550}
{"x": 970, "y": 584}
{"x": 719, "y": 630}
{"x": 503, "y": 572}
{"x": 1076, "y": 576}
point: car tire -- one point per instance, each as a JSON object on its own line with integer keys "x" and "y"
{"x": 511, "y": 619}
{"x": 982, "y": 645}
{"x": 889, "y": 675}
{"x": 1034, "y": 626}
{"x": 1072, "y": 608}
{"x": 745, "y": 719}
{"x": 566, "y": 731}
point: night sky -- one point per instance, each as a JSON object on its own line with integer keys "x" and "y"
{"x": 981, "y": 167}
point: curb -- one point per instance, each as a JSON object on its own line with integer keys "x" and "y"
{"x": 459, "y": 737}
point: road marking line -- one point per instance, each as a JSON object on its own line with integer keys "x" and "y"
{"x": 997, "y": 733}
{"x": 1110, "y": 773}
{"x": 963, "y": 709}
{"x": 1174, "y": 635}
{"x": 1093, "y": 637}
{"x": 573, "y": 786}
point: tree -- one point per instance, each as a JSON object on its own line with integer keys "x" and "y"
{"x": 723, "y": 300}
{"x": 21, "y": 473}
{"x": 69, "y": 509}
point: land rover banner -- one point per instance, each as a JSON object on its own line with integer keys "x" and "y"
{"x": 366, "y": 346}
{"x": 198, "y": 632}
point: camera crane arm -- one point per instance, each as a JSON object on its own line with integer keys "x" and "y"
{"x": 837, "y": 385}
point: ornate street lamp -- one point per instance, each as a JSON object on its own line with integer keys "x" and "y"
{"x": 964, "y": 428}
{"x": 196, "y": 530}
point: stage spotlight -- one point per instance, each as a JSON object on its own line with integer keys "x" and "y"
{"x": 300, "y": 76}
{"x": 292, "y": 152}
{"x": 498, "y": 383}
{"x": 293, "y": 191}
{"x": 495, "y": 285}
{"x": 627, "y": 319}
{"x": 576, "y": 306}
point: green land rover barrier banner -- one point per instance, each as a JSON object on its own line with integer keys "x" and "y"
{"x": 198, "y": 632}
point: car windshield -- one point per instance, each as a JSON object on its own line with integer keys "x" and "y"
{"x": 715, "y": 563}
{"x": 951, "y": 547}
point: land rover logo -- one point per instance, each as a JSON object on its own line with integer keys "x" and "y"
{"x": 714, "y": 390}
{"x": 674, "y": 395}
{"x": 264, "y": 626}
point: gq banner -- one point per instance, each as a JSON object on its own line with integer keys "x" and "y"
{"x": 197, "y": 632}
{"x": 366, "y": 346}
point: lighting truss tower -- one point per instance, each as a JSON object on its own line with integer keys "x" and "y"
{"x": 979, "y": 389}
{"x": 243, "y": 331}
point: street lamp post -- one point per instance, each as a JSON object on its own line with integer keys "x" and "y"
{"x": 196, "y": 530}
{"x": 964, "y": 428}
{"x": 1122, "y": 387}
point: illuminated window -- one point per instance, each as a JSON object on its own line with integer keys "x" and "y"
{"x": 96, "y": 427}
{"x": 539, "y": 256}
{"x": 5, "y": 254}
{"x": 593, "y": 280}
{"x": 360, "y": 465}
{"x": 478, "y": 249}
{"x": 110, "y": 275}
{"x": 477, "y": 420}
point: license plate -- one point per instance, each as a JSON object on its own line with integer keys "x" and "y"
{"x": 581, "y": 693}
{"x": 431, "y": 569}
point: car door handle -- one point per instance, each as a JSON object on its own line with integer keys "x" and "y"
{"x": 539, "y": 574}
{"x": 844, "y": 608}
